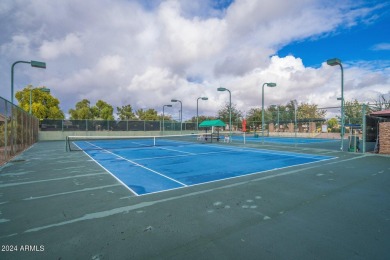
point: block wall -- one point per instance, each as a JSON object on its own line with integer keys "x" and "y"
{"x": 384, "y": 137}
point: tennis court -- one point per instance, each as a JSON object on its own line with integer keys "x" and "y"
{"x": 173, "y": 164}
{"x": 68, "y": 207}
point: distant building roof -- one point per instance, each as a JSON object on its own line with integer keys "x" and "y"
{"x": 383, "y": 113}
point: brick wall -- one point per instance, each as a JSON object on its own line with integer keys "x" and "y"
{"x": 312, "y": 127}
{"x": 384, "y": 137}
{"x": 271, "y": 127}
{"x": 290, "y": 127}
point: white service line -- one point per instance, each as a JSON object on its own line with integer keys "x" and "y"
{"x": 140, "y": 165}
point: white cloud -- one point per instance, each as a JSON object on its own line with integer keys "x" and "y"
{"x": 71, "y": 44}
{"x": 126, "y": 52}
{"x": 381, "y": 47}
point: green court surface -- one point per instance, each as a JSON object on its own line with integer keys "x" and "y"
{"x": 63, "y": 205}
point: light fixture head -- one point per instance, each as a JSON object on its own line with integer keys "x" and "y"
{"x": 271, "y": 84}
{"x": 333, "y": 62}
{"x": 38, "y": 64}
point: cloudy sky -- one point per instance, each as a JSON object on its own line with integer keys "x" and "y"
{"x": 147, "y": 52}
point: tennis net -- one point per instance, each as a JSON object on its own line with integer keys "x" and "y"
{"x": 82, "y": 143}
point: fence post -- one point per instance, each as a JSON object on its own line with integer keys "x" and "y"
{"x": 6, "y": 132}
{"x": 364, "y": 128}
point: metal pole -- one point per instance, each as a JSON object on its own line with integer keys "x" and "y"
{"x": 262, "y": 113}
{"x": 197, "y": 115}
{"x": 163, "y": 122}
{"x": 295, "y": 115}
{"x": 6, "y": 131}
{"x": 364, "y": 128}
{"x": 197, "y": 111}
{"x": 278, "y": 120}
{"x": 30, "y": 99}
{"x": 163, "y": 126}
{"x": 181, "y": 117}
{"x": 342, "y": 106}
{"x": 12, "y": 77}
{"x": 334, "y": 62}
{"x": 230, "y": 116}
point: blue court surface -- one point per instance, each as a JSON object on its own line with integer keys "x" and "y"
{"x": 285, "y": 140}
{"x": 154, "y": 169}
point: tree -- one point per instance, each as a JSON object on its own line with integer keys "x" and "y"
{"x": 44, "y": 105}
{"x": 150, "y": 114}
{"x": 103, "y": 110}
{"x": 223, "y": 113}
{"x": 201, "y": 118}
{"x": 304, "y": 111}
{"x": 307, "y": 111}
{"x": 333, "y": 124}
{"x": 285, "y": 113}
{"x": 353, "y": 112}
{"x": 166, "y": 117}
{"x": 253, "y": 118}
{"x": 125, "y": 112}
{"x": 82, "y": 110}
{"x": 382, "y": 103}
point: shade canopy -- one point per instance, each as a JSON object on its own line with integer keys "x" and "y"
{"x": 210, "y": 123}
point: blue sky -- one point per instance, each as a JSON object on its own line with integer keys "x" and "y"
{"x": 145, "y": 53}
{"x": 366, "y": 41}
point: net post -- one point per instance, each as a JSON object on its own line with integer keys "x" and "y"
{"x": 66, "y": 143}
{"x": 154, "y": 141}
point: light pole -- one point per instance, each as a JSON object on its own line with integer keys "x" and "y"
{"x": 163, "y": 126}
{"x": 197, "y": 111}
{"x": 36, "y": 64}
{"x": 295, "y": 115}
{"x": 46, "y": 90}
{"x": 269, "y": 84}
{"x": 334, "y": 62}
{"x": 230, "y": 111}
{"x": 181, "y": 113}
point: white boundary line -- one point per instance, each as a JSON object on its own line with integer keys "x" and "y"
{"x": 227, "y": 149}
{"x": 140, "y": 165}
{"x": 127, "y": 187}
{"x": 242, "y": 175}
{"x": 256, "y": 150}
{"x": 180, "y": 155}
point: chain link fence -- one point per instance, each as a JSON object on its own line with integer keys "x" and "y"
{"x": 113, "y": 125}
{"x": 360, "y": 130}
{"x": 18, "y": 130}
